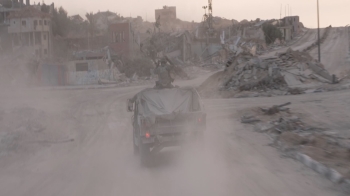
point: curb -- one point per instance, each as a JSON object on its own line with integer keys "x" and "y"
{"x": 318, "y": 167}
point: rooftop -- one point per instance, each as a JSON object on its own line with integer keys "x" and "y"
{"x": 28, "y": 12}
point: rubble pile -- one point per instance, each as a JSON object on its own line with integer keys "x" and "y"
{"x": 291, "y": 132}
{"x": 287, "y": 72}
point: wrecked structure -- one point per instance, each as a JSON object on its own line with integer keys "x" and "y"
{"x": 31, "y": 28}
{"x": 166, "y": 14}
{"x": 121, "y": 38}
{"x": 175, "y": 46}
{"x": 273, "y": 75}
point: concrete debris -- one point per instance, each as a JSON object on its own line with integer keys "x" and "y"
{"x": 275, "y": 109}
{"x": 249, "y": 119}
{"x": 294, "y": 136}
{"x": 296, "y": 91}
{"x": 289, "y": 72}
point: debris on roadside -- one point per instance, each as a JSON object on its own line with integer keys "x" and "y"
{"x": 275, "y": 109}
{"x": 296, "y": 91}
{"x": 290, "y": 72}
{"x": 249, "y": 119}
{"x": 291, "y": 132}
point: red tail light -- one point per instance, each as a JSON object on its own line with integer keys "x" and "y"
{"x": 147, "y": 135}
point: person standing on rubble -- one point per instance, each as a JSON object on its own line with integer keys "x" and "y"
{"x": 163, "y": 71}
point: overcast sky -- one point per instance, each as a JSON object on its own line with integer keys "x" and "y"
{"x": 332, "y": 12}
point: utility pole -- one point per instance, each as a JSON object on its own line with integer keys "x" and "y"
{"x": 280, "y": 16}
{"x": 285, "y": 11}
{"x": 318, "y": 29}
{"x": 348, "y": 31}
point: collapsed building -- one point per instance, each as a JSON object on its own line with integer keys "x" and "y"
{"x": 282, "y": 73}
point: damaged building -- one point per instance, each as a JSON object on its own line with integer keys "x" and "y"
{"x": 121, "y": 38}
{"x": 31, "y": 28}
{"x": 176, "y": 46}
{"x": 290, "y": 26}
{"x": 166, "y": 14}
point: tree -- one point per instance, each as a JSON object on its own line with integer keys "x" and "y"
{"x": 92, "y": 23}
{"x": 6, "y": 3}
{"x": 45, "y": 8}
{"x": 271, "y": 33}
{"x": 60, "y": 22}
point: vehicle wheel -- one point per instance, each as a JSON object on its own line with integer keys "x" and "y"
{"x": 136, "y": 148}
{"x": 145, "y": 154}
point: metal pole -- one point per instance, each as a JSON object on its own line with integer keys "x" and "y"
{"x": 318, "y": 29}
{"x": 348, "y": 31}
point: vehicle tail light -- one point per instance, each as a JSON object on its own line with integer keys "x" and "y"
{"x": 147, "y": 135}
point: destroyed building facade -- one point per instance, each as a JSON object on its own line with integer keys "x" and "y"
{"x": 289, "y": 27}
{"x": 31, "y": 28}
{"x": 121, "y": 38}
{"x": 166, "y": 14}
{"x": 293, "y": 22}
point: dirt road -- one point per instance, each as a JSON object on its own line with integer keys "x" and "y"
{"x": 85, "y": 147}
{"x": 100, "y": 160}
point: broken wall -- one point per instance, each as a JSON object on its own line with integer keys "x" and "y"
{"x": 86, "y": 72}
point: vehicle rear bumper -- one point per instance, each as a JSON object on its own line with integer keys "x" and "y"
{"x": 174, "y": 139}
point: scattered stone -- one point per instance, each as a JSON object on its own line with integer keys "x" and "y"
{"x": 275, "y": 109}
{"x": 249, "y": 119}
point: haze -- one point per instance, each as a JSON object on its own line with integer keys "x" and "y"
{"x": 333, "y": 13}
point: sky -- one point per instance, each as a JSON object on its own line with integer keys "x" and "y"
{"x": 332, "y": 12}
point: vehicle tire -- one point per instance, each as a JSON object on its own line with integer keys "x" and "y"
{"x": 136, "y": 148}
{"x": 145, "y": 154}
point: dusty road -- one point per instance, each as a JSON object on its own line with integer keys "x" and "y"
{"x": 85, "y": 148}
{"x": 100, "y": 160}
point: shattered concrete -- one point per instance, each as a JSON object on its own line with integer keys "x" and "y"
{"x": 295, "y": 135}
{"x": 290, "y": 72}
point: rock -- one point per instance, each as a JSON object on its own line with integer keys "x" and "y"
{"x": 263, "y": 127}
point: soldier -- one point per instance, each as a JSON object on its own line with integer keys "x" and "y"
{"x": 163, "y": 72}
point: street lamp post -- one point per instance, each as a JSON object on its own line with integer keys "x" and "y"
{"x": 318, "y": 29}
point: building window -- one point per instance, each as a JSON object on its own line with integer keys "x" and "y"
{"x": 35, "y": 22}
{"x": 38, "y": 38}
{"x": 81, "y": 67}
{"x": 24, "y": 23}
{"x": 117, "y": 37}
{"x": 44, "y": 37}
{"x": 45, "y": 51}
{"x": 40, "y": 22}
{"x": 45, "y": 22}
